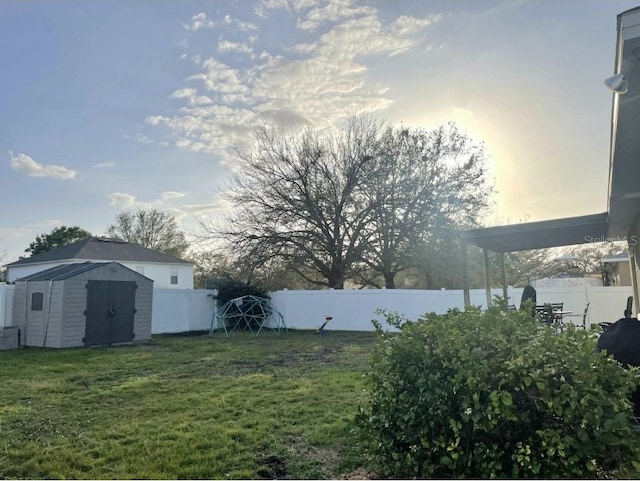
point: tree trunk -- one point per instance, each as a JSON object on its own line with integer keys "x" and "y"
{"x": 389, "y": 280}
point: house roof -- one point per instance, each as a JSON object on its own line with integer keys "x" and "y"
{"x": 65, "y": 271}
{"x": 539, "y": 235}
{"x": 101, "y": 249}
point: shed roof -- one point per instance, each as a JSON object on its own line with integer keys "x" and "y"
{"x": 101, "y": 249}
{"x": 66, "y": 271}
{"x": 539, "y": 235}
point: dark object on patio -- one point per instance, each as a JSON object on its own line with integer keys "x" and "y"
{"x": 622, "y": 340}
{"x": 529, "y": 293}
{"x": 628, "y": 312}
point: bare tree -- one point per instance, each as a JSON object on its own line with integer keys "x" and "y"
{"x": 299, "y": 201}
{"x": 428, "y": 184}
{"x": 153, "y": 229}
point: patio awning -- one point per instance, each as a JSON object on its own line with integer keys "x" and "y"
{"x": 538, "y": 235}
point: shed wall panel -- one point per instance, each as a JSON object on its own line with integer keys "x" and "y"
{"x": 144, "y": 302}
{"x": 20, "y": 309}
{"x": 74, "y": 317}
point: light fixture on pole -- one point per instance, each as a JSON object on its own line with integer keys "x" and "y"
{"x": 619, "y": 82}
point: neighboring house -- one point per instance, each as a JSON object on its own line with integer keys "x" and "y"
{"x": 618, "y": 269}
{"x": 166, "y": 271}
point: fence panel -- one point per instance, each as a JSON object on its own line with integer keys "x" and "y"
{"x": 354, "y": 309}
{"x": 6, "y": 304}
{"x": 181, "y": 310}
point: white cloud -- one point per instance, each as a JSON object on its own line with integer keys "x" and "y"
{"x": 182, "y": 93}
{"x": 126, "y": 201}
{"x": 171, "y": 195}
{"x": 31, "y": 168}
{"x": 405, "y": 26}
{"x": 129, "y": 201}
{"x": 139, "y": 138}
{"x": 333, "y": 11}
{"x": 318, "y": 81}
{"x": 227, "y": 46}
{"x": 239, "y": 24}
{"x": 104, "y": 165}
{"x": 198, "y": 22}
{"x": 292, "y": 6}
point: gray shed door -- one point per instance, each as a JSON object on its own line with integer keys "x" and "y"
{"x": 110, "y": 312}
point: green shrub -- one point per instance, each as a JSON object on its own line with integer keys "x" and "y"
{"x": 471, "y": 394}
{"x": 232, "y": 289}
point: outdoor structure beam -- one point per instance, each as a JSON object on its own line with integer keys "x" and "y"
{"x": 503, "y": 268}
{"x": 487, "y": 277}
{"x": 465, "y": 275}
{"x": 531, "y": 235}
{"x": 539, "y": 235}
{"x": 633, "y": 264}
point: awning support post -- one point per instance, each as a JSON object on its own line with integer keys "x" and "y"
{"x": 633, "y": 264}
{"x": 487, "y": 279}
{"x": 505, "y": 294}
{"x": 465, "y": 275}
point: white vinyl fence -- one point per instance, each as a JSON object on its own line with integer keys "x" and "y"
{"x": 6, "y": 304}
{"x": 353, "y": 310}
{"x": 181, "y": 310}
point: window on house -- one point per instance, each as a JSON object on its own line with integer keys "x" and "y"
{"x": 174, "y": 276}
{"x": 37, "y": 299}
{"x": 140, "y": 270}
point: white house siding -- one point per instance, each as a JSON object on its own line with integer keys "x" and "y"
{"x": 159, "y": 273}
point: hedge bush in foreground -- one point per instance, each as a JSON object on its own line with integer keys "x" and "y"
{"x": 471, "y": 394}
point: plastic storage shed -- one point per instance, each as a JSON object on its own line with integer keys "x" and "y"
{"x": 83, "y": 304}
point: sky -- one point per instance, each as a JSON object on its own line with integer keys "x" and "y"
{"x": 119, "y": 105}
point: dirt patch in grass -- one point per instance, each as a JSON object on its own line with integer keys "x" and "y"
{"x": 273, "y": 467}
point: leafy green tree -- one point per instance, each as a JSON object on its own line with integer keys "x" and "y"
{"x": 153, "y": 229}
{"x": 58, "y": 237}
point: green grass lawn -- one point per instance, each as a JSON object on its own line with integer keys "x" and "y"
{"x": 185, "y": 407}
